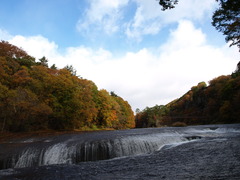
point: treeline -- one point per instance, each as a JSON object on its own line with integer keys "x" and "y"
{"x": 36, "y": 97}
{"x": 217, "y": 103}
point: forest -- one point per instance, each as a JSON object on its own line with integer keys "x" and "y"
{"x": 35, "y": 97}
{"x": 216, "y": 103}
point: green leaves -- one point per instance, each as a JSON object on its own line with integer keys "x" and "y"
{"x": 226, "y": 19}
{"x": 216, "y": 103}
{"x": 34, "y": 97}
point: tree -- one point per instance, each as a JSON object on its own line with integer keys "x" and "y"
{"x": 236, "y": 73}
{"x": 137, "y": 110}
{"x": 168, "y": 4}
{"x": 238, "y": 68}
{"x": 5, "y": 106}
{"x": 225, "y": 19}
{"x": 71, "y": 69}
{"x": 43, "y": 61}
{"x": 112, "y": 93}
{"x": 22, "y": 111}
{"x": 124, "y": 113}
{"x": 107, "y": 114}
{"x": 53, "y": 67}
{"x": 14, "y": 58}
{"x": 35, "y": 97}
{"x": 11, "y": 51}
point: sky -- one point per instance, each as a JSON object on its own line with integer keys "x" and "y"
{"x": 145, "y": 55}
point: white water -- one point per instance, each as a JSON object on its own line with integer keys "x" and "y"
{"x": 64, "y": 153}
{"x": 195, "y": 152}
{"x": 213, "y": 131}
{"x": 72, "y": 151}
{"x": 136, "y": 145}
{"x": 26, "y": 159}
{"x": 57, "y": 154}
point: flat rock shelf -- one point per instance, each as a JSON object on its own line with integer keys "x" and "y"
{"x": 194, "y": 152}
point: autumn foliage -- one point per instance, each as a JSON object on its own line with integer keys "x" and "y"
{"x": 35, "y": 97}
{"x": 217, "y": 103}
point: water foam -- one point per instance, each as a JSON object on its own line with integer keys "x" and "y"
{"x": 71, "y": 153}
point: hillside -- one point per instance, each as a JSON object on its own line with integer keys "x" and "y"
{"x": 217, "y": 103}
{"x": 36, "y": 97}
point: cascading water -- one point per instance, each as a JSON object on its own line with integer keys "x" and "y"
{"x": 194, "y": 152}
{"x": 72, "y": 151}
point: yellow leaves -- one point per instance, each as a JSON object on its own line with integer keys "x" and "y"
{"x": 22, "y": 77}
{"x": 115, "y": 112}
{"x": 109, "y": 118}
{"x": 3, "y": 91}
{"x": 34, "y": 97}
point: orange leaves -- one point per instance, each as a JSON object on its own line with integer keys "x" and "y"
{"x": 216, "y": 103}
{"x": 114, "y": 112}
{"x": 11, "y": 51}
{"x": 21, "y": 78}
{"x": 35, "y": 97}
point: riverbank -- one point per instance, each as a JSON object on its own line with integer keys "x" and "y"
{"x": 8, "y": 136}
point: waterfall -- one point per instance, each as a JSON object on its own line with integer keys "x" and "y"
{"x": 75, "y": 151}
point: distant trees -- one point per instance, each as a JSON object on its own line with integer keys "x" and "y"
{"x": 34, "y": 97}
{"x": 225, "y": 19}
{"x": 216, "y": 103}
{"x": 150, "y": 117}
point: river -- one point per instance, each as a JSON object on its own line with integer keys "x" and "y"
{"x": 194, "y": 152}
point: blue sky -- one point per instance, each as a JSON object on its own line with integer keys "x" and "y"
{"x": 131, "y": 47}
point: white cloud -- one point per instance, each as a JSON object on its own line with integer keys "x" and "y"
{"x": 37, "y": 46}
{"x": 191, "y": 10}
{"x": 146, "y": 19}
{"x": 146, "y": 77}
{"x": 149, "y": 18}
{"x": 186, "y": 35}
{"x": 102, "y": 15}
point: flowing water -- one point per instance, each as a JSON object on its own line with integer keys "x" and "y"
{"x": 194, "y": 152}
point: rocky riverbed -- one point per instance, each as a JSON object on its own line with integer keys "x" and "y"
{"x": 195, "y": 152}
